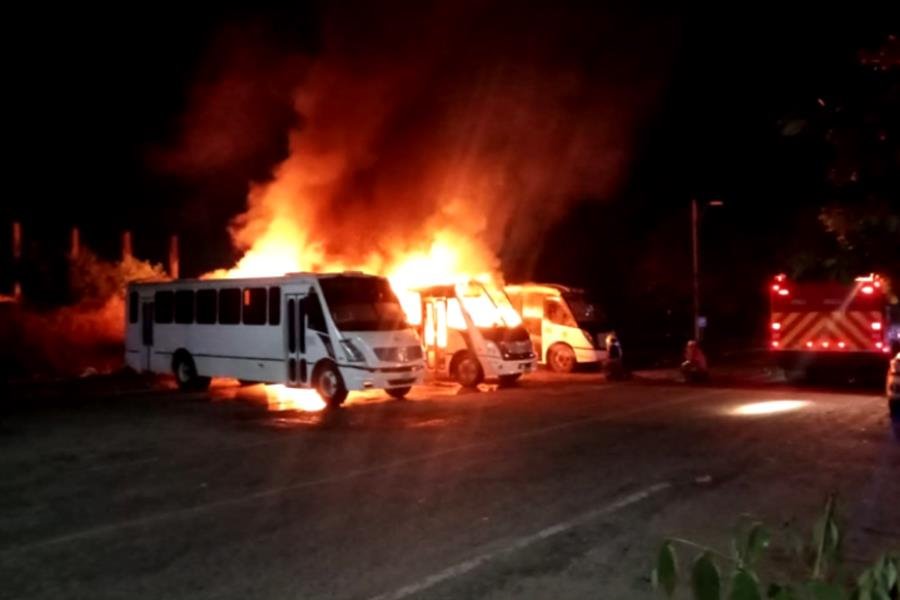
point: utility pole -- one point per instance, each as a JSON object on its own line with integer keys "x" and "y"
{"x": 695, "y": 248}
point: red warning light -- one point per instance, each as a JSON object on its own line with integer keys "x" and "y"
{"x": 876, "y": 326}
{"x": 776, "y": 326}
{"x": 842, "y": 345}
{"x": 775, "y": 343}
{"x": 809, "y": 344}
{"x": 867, "y": 289}
{"x": 783, "y": 292}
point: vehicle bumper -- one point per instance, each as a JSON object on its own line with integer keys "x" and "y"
{"x": 497, "y": 367}
{"x": 590, "y": 355}
{"x": 380, "y": 378}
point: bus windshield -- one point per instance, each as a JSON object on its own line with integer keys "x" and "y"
{"x": 586, "y": 314}
{"x": 363, "y": 304}
{"x": 488, "y": 305}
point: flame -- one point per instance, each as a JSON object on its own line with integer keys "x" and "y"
{"x": 281, "y": 397}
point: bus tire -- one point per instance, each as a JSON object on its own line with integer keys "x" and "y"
{"x": 186, "y": 373}
{"x": 561, "y": 358}
{"x": 398, "y": 392}
{"x": 509, "y": 380}
{"x": 329, "y": 384}
{"x": 466, "y": 370}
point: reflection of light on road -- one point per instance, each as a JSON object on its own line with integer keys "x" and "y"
{"x": 281, "y": 397}
{"x": 769, "y": 408}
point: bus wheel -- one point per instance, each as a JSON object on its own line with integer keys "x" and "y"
{"x": 330, "y": 385}
{"x": 398, "y": 393}
{"x": 509, "y": 380}
{"x": 561, "y": 358}
{"x": 466, "y": 369}
{"x": 186, "y": 373}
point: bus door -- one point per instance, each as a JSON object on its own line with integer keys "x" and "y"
{"x": 533, "y": 320}
{"x": 297, "y": 367}
{"x": 146, "y": 334}
{"x": 434, "y": 331}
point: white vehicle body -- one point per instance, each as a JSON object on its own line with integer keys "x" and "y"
{"x": 893, "y": 385}
{"x": 471, "y": 333}
{"x": 557, "y": 319}
{"x": 275, "y": 330}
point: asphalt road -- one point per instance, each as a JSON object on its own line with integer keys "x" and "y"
{"x": 560, "y": 488}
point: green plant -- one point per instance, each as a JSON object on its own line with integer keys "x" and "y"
{"x": 818, "y": 575}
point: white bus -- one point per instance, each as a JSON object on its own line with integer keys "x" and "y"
{"x": 565, "y": 328}
{"x": 471, "y": 333}
{"x": 332, "y": 332}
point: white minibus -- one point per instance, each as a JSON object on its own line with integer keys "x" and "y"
{"x": 331, "y": 332}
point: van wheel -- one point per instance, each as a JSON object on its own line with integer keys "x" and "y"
{"x": 509, "y": 380}
{"x": 466, "y": 370}
{"x": 330, "y": 385}
{"x": 561, "y": 358}
{"x": 186, "y": 374}
{"x": 399, "y": 392}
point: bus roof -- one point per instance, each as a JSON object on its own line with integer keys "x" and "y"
{"x": 275, "y": 280}
{"x": 542, "y": 288}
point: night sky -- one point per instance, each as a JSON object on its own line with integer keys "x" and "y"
{"x": 98, "y": 102}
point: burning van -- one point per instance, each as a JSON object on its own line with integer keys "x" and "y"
{"x": 330, "y": 332}
{"x": 471, "y": 333}
{"x": 565, "y": 328}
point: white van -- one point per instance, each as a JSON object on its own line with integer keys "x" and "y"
{"x": 331, "y": 332}
{"x": 565, "y": 328}
{"x": 471, "y": 333}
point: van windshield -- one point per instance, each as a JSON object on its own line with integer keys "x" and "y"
{"x": 363, "y": 304}
{"x": 585, "y": 313}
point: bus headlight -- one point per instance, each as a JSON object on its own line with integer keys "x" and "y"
{"x": 352, "y": 353}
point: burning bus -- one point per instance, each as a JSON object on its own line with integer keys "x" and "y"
{"x": 831, "y": 323}
{"x": 471, "y": 332}
{"x": 565, "y": 328}
{"x": 330, "y": 332}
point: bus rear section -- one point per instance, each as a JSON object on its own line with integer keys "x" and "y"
{"x": 830, "y": 323}
{"x": 334, "y": 333}
{"x": 471, "y": 333}
{"x": 565, "y": 328}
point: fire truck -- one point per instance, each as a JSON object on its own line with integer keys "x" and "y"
{"x": 814, "y": 323}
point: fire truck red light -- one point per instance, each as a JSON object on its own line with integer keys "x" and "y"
{"x": 842, "y": 345}
{"x": 825, "y": 344}
{"x": 879, "y": 345}
{"x": 809, "y": 344}
{"x": 774, "y": 343}
{"x": 776, "y": 287}
{"x": 783, "y": 292}
{"x": 876, "y": 326}
{"x": 867, "y": 289}
{"x": 776, "y": 326}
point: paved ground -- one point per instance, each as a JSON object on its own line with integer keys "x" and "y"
{"x": 560, "y": 488}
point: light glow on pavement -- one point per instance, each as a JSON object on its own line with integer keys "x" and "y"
{"x": 770, "y": 407}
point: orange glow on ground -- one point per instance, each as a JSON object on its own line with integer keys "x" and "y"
{"x": 281, "y": 397}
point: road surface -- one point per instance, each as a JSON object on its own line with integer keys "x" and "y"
{"x": 562, "y": 487}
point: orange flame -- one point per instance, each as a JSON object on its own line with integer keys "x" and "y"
{"x": 281, "y": 397}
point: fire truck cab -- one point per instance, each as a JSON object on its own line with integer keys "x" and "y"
{"x": 565, "y": 328}
{"x": 831, "y": 323}
{"x": 471, "y": 333}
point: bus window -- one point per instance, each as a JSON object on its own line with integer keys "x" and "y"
{"x": 133, "y": 307}
{"x": 274, "y": 306}
{"x": 314, "y": 314}
{"x": 164, "y": 304}
{"x": 206, "y": 306}
{"x": 255, "y": 306}
{"x": 184, "y": 306}
{"x": 230, "y": 306}
{"x": 556, "y": 312}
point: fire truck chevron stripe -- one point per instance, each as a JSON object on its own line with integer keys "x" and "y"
{"x": 792, "y": 335}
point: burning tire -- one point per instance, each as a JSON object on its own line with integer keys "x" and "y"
{"x": 466, "y": 370}
{"x": 561, "y": 358}
{"x": 186, "y": 373}
{"x": 329, "y": 384}
{"x": 509, "y": 380}
{"x": 399, "y": 392}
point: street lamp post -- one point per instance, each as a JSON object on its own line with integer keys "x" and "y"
{"x": 695, "y": 262}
